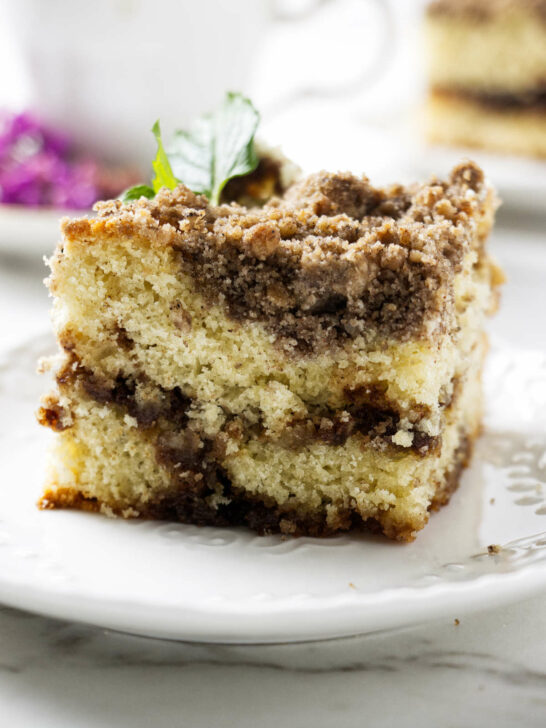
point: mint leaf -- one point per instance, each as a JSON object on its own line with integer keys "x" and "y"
{"x": 135, "y": 193}
{"x": 164, "y": 176}
{"x": 236, "y": 125}
{"x": 191, "y": 155}
{"x": 219, "y": 147}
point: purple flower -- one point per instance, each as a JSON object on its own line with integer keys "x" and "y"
{"x": 37, "y": 166}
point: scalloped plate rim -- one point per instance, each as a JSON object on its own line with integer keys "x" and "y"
{"x": 223, "y": 624}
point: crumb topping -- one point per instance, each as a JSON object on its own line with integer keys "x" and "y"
{"x": 333, "y": 258}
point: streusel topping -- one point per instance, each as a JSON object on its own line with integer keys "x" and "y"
{"x": 334, "y": 258}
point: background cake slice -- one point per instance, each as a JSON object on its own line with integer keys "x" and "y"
{"x": 305, "y": 367}
{"x": 487, "y": 74}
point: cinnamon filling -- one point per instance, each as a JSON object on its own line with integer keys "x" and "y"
{"x": 534, "y": 100}
{"x": 368, "y": 413}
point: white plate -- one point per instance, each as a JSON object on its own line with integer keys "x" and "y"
{"x": 222, "y": 585}
{"x": 31, "y": 231}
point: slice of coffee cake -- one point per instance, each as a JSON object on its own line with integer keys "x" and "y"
{"x": 305, "y": 367}
{"x": 487, "y": 74}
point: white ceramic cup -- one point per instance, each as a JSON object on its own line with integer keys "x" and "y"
{"x": 105, "y": 70}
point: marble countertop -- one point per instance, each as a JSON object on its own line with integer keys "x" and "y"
{"x": 488, "y": 670}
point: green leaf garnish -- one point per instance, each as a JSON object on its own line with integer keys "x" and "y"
{"x": 219, "y": 147}
{"x": 192, "y": 158}
{"x": 164, "y": 176}
{"x": 135, "y": 193}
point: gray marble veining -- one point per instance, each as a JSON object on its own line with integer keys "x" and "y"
{"x": 488, "y": 670}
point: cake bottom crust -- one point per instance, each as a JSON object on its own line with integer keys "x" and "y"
{"x": 457, "y": 120}
{"x": 258, "y": 514}
{"x": 258, "y": 511}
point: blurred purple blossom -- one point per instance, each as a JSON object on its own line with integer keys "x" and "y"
{"x": 37, "y": 166}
